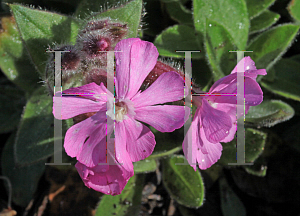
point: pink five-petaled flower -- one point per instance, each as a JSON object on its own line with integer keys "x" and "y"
{"x": 215, "y": 118}
{"x": 133, "y": 140}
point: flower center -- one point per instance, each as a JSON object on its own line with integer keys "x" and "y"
{"x": 123, "y": 109}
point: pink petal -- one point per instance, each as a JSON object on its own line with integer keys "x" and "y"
{"x": 168, "y": 87}
{"x": 253, "y": 93}
{"x": 216, "y": 123}
{"x": 78, "y": 133}
{"x": 92, "y": 98}
{"x": 93, "y": 150}
{"x": 139, "y": 58}
{"x": 211, "y": 155}
{"x": 121, "y": 153}
{"x": 247, "y": 63}
{"x": 214, "y": 153}
{"x": 112, "y": 181}
{"x": 140, "y": 141}
{"x": 249, "y": 68}
{"x": 189, "y": 150}
{"x": 231, "y": 109}
{"x": 123, "y": 59}
{"x": 165, "y": 118}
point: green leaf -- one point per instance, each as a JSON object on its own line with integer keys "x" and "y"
{"x": 14, "y": 61}
{"x": 269, "y": 113}
{"x": 256, "y": 7}
{"x": 294, "y": 9}
{"x": 230, "y": 203}
{"x": 129, "y": 13}
{"x": 183, "y": 183}
{"x": 127, "y": 203}
{"x": 217, "y": 45}
{"x": 232, "y": 15}
{"x": 34, "y": 140}
{"x": 287, "y": 79}
{"x": 11, "y": 105}
{"x": 24, "y": 180}
{"x": 87, "y": 7}
{"x": 145, "y": 166}
{"x": 259, "y": 167}
{"x": 177, "y": 37}
{"x": 263, "y": 21}
{"x": 166, "y": 143}
{"x": 269, "y": 46}
{"x": 179, "y": 13}
{"x": 39, "y": 29}
{"x": 255, "y": 141}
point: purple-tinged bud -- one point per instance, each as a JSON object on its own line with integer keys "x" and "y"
{"x": 100, "y": 35}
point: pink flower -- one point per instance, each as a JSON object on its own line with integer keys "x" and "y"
{"x": 215, "y": 118}
{"x": 133, "y": 140}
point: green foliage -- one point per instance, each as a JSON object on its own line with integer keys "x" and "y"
{"x": 256, "y": 7}
{"x": 269, "y": 46}
{"x": 294, "y": 9}
{"x": 230, "y": 202}
{"x": 34, "y": 140}
{"x": 39, "y": 29}
{"x": 12, "y": 101}
{"x": 145, "y": 166}
{"x": 213, "y": 26}
{"x": 14, "y": 60}
{"x": 177, "y": 38}
{"x": 285, "y": 79}
{"x": 263, "y": 21}
{"x": 269, "y": 113}
{"x": 221, "y": 12}
{"x": 129, "y": 13}
{"x": 255, "y": 141}
{"x": 24, "y": 180}
{"x": 183, "y": 183}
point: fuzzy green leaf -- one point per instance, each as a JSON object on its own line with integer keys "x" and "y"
{"x": 14, "y": 60}
{"x": 232, "y": 15}
{"x": 269, "y": 113}
{"x": 40, "y": 29}
{"x": 145, "y": 166}
{"x": 263, "y": 21}
{"x": 34, "y": 140}
{"x": 178, "y": 37}
{"x": 255, "y": 141}
{"x": 294, "y": 9}
{"x": 217, "y": 45}
{"x": 183, "y": 183}
{"x": 269, "y": 46}
{"x": 256, "y": 7}
{"x": 179, "y": 13}
{"x": 286, "y": 79}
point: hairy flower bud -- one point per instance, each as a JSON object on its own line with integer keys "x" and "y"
{"x": 99, "y": 36}
{"x": 70, "y": 65}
